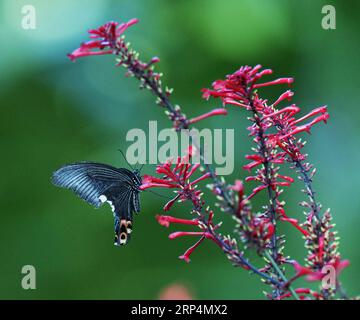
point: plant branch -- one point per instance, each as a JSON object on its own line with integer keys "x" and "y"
{"x": 281, "y": 274}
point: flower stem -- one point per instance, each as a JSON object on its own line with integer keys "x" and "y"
{"x": 281, "y": 274}
{"x": 268, "y": 180}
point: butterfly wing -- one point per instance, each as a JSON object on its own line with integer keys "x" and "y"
{"x": 89, "y": 180}
{"x": 119, "y": 198}
{"x": 98, "y": 183}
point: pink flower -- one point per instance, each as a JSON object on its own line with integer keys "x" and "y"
{"x": 215, "y": 112}
{"x": 237, "y": 89}
{"x": 312, "y": 275}
{"x": 205, "y": 232}
{"x": 177, "y": 176}
{"x": 166, "y": 220}
{"x": 107, "y": 35}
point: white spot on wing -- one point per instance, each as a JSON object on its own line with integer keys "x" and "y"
{"x": 111, "y": 205}
{"x": 102, "y": 198}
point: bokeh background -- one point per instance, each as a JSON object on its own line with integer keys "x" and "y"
{"x": 55, "y": 112}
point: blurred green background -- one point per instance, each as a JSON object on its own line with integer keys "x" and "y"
{"x": 55, "y": 112}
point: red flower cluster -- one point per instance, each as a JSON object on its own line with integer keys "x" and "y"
{"x": 207, "y": 231}
{"x": 255, "y": 229}
{"x": 312, "y": 275}
{"x": 106, "y": 37}
{"x": 238, "y": 90}
{"x": 273, "y": 149}
{"x": 274, "y": 131}
{"x": 177, "y": 175}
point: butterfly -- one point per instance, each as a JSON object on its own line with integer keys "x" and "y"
{"x": 97, "y": 183}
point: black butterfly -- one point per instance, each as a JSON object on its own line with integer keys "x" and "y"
{"x": 97, "y": 183}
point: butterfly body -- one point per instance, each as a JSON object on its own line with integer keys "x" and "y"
{"x": 99, "y": 183}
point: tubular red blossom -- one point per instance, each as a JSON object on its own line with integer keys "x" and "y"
{"x": 292, "y": 110}
{"x": 170, "y": 203}
{"x": 166, "y": 220}
{"x": 235, "y": 103}
{"x": 341, "y": 264}
{"x": 215, "y": 112}
{"x": 84, "y": 52}
{"x": 252, "y": 178}
{"x": 239, "y": 188}
{"x": 287, "y": 95}
{"x": 312, "y": 113}
{"x": 148, "y": 179}
{"x": 252, "y": 71}
{"x": 206, "y": 235}
{"x": 203, "y": 177}
{"x": 306, "y": 127}
{"x": 188, "y": 252}
{"x": 122, "y": 27}
{"x": 145, "y": 186}
{"x": 255, "y": 157}
{"x": 294, "y": 222}
{"x": 282, "y": 183}
{"x": 165, "y": 169}
{"x": 300, "y": 270}
{"x": 287, "y": 178}
{"x": 274, "y": 82}
{"x": 262, "y": 73}
{"x": 255, "y": 191}
{"x": 178, "y": 234}
{"x": 252, "y": 165}
{"x": 193, "y": 169}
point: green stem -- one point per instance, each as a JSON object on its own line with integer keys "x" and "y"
{"x": 281, "y": 274}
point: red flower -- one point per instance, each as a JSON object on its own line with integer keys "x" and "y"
{"x": 177, "y": 175}
{"x": 239, "y": 188}
{"x": 272, "y": 148}
{"x": 205, "y": 233}
{"x": 215, "y": 112}
{"x": 107, "y": 35}
{"x": 312, "y": 275}
{"x": 237, "y": 89}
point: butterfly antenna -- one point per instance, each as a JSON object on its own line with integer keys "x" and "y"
{"x": 158, "y": 194}
{"x": 130, "y": 166}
